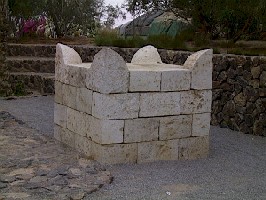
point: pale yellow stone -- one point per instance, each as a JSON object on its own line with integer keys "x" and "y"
{"x": 201, "y": 124}
{"x": 78, "y": 122}
{"x": 195, "y": 101}
{"x": 194, "y": 148}
{"x": 107, "y": 131}
{"x": 158, "y": 150}
{"x": 84, "y": 100}
{"x": 140, "y": 130}
{"x": 60, "y": 115}
{"x": 175, "y": 127}
{"x": 115, "y": 153}
{"x": 159, "y": 104}
{"x": 115, "y": 106}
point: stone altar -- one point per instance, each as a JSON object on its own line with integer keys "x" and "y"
{"x": 143, "y": 111}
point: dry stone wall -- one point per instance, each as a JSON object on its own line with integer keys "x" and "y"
{"x": 118, "y": 112}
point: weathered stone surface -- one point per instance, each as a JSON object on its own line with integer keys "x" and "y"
{"x": 115, "y": 106}
{"x": 263, "y": 79}
{"x": 107, "y": 131}
{"x": 158, "y": 150}
{"x": 58, "y": 97}
{"x": 159, "y": 104}
{"x": 58, "y": 131}
{"x": 109, "y": 72}
{"x": 240, "y": 99}
{"x": 255, "y": 71}
{"x": 201, "y": 124}
{"x": 195, "y": 101}
{"x": 68, "y": 137}
{"x": 60, "y": 115}
{"x": 64, "y": 56}
{"x": 175, "y": 127}
{"x": 141, "y": 80}
{"x": 78, "y": 122}
{"x": 176, "y": 80}
{"x": 84, "y": 100}
{"x": 140, "y": 130}
{"x": 193, "y": 148}
{"x": 200, "y": 63}
{"x": 77, "y": 74}
{"x": 54, "y": 168}
{"x": 69, "y": 96}
{"x": 115, "y": 153}
{"x": 83, "y": 145}
{"x": 147, "y": 55}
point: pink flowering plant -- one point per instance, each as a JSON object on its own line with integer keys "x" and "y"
{"x": 33, "y": 26}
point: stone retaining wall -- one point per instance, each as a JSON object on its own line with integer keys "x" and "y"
{"x": 143, "y": 111}
{"x": 239, "y": 99}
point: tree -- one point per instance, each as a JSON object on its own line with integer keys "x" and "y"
{"x": 235, "y": 19}
{"x": 4, "y": 76}
{"x": 110, "y": 14}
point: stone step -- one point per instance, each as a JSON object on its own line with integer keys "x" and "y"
{"x": 38, "y": 50}
{"x": 31, "y": 64}
{"x": 32, "y": 83}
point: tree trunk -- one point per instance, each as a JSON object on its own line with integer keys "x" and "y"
{"x": 5, "y": 87}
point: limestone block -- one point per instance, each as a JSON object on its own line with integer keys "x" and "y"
{"x": 158, "y": 150}
{"x": 201, "y": 124}
{"x": 83, "y": 145}
{"x": 200, "y": 63}
{"x": 176, "y": 80}
{"x": 115, "y": 106}
{"x": 107, "y": 131}
{"x": 175, "y": 127}
{"x": 140, "y": 130}
{"x": 62, "y": 73}
{"x": 60, "y": 115}
{"x": 69, "y": 96}
{"x": 144, "y": 81}
{"x": 115, "y": 153}
{"x": 78, "y": 122}
{"x": 84, "y": 100}
{"x": 159, "y": 104}
{"x": 147, "y": 55}
{"x": 58, "y": 131}
{"x": 88, "y": 78}
{"x": 196, "y": 101}
{"x": 64, "y": 56}
{"x": 68, "y": 137}
{"x": 193, "y": 148}
{"x": 109, "y": 72}
{"x": 58, "y": 97}
{"x": 76, "y": 75}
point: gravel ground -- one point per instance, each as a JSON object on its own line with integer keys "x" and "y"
{"x": 235, "y": 169}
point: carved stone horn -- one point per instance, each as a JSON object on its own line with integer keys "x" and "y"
{"x": 200, "y": 64}
{"x": 109, "y": 72}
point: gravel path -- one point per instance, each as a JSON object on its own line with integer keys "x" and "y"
{"x": 235, "y": 169}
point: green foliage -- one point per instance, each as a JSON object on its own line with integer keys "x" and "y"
{"x": 111, "y": 38}
{"x": 19, "y": 89}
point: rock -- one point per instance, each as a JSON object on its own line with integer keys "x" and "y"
{"x": 229, "y": 108}
{"x": 77, "y": 194}
{"x": 147, "y": 55}
{"x": 240, "y": 99}
{"x": 58, "y": 180}
{"x": 262, "y": 92}
{"x": 3, "y": 185}
{"x": 251, "y": 94}
{"x": 247, "y": 75}
{"x": 7, "y": 179}
{"x": 222, "y": 76}
{"x": 263, "y": 79}
{"x": 255, "y": 71}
